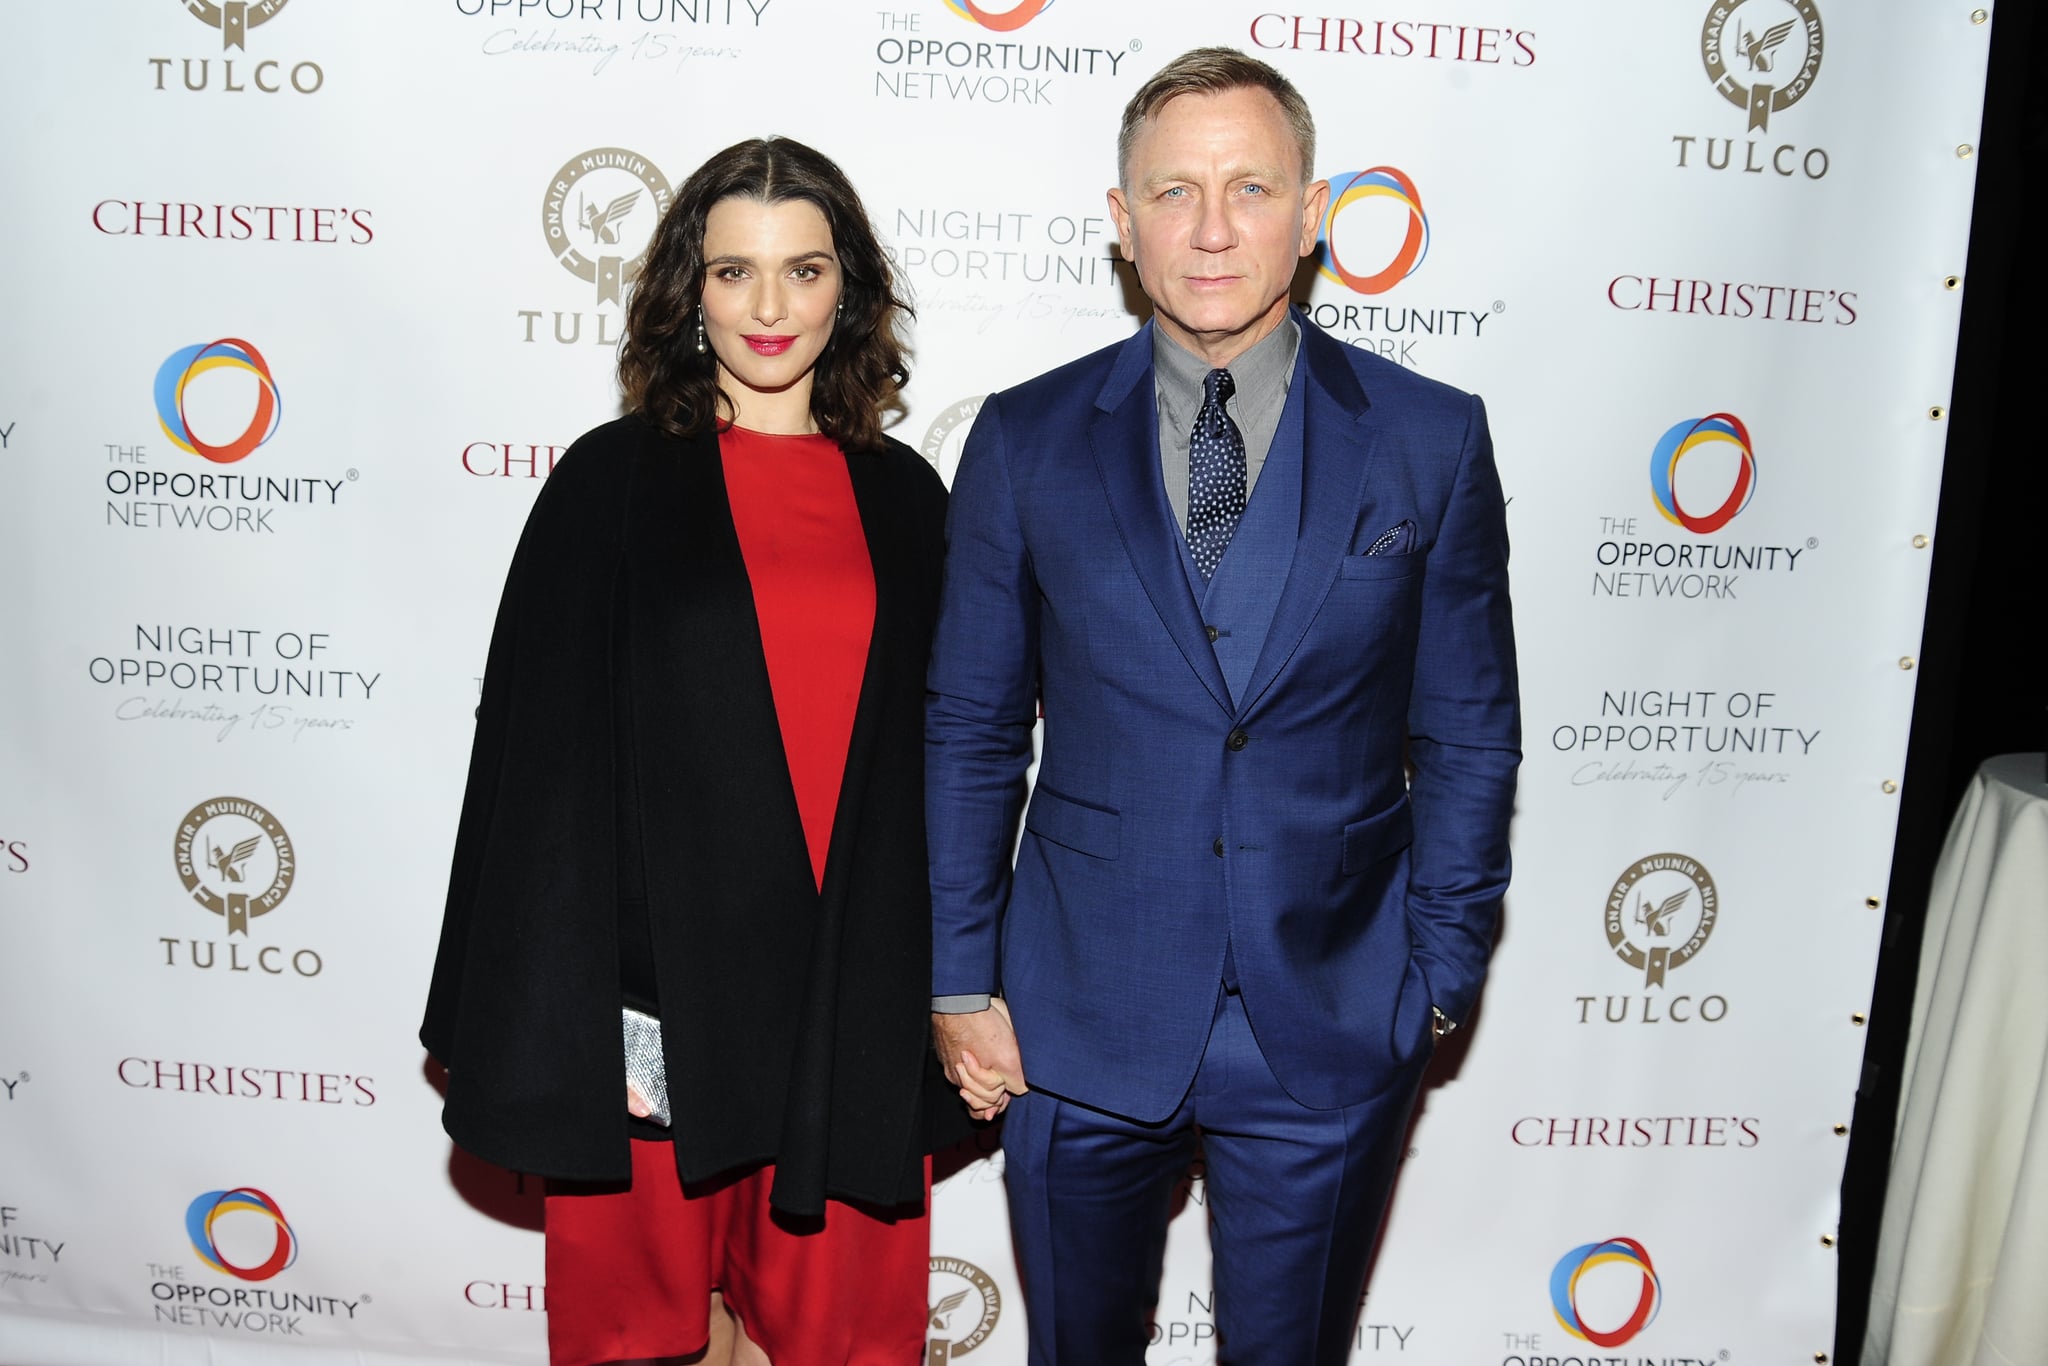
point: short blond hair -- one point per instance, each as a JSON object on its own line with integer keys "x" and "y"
{"x": 1214, "y": 71}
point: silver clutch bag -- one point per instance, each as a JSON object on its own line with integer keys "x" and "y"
{"x": 645, "y": 1070}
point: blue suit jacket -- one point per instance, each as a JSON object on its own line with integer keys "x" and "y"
{"x": 1170, "y": 820}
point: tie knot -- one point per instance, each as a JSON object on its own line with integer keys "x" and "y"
{"x": 1218, "y": 386}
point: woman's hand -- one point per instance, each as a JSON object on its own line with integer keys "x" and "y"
{"x": 636, "y": 1104}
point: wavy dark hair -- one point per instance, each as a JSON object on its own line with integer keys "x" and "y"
{"x": 862, "y": 367}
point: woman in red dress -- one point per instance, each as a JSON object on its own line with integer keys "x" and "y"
{"x": 696, "y": 792}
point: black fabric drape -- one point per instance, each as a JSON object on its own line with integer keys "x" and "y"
{"x": 627, "y": 752}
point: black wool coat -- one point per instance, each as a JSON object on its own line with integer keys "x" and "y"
{"x": 627, "y": 748}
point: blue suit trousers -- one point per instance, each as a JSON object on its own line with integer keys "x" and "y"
{"x": 1294, "y": 1198}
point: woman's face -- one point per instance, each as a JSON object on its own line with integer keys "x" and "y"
{"x": 771, "y": 285}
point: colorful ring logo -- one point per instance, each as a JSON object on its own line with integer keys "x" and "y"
{"x": 1347, "y": 189}
{"x": 1564, "y": 1287}
{"x": 199, "y": 1218}
{"x": 184, "y": 365}
{"x": 1688, "y": 436}
{"x": 1008, "y": 22}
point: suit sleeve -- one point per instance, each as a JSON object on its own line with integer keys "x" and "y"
{"x": 1464, "y": 733}
{"x": 981, "y": 703}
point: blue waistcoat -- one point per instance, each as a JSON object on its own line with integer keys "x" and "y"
{"x": 1240, "y": 598}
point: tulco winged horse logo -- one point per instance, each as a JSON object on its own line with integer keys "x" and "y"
{"x": 945, "y": 1307}
{"x": 229, "y": 861}
{"x": 1758, "y": 51}
{"x": 1657, "y": 919}
{"x": 604, "y": 223}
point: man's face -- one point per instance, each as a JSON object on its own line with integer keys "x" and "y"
{"x": 1215, "y": 216}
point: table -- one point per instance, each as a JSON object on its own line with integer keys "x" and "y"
{"x": 1962, "y": 1263}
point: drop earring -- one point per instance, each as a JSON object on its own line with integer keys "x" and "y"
{"x": 701, "y": 348}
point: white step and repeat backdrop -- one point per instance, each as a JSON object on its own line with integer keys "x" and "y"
{"x": 304, "y": 297}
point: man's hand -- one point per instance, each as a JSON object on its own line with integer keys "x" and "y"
{"x": 979, "y": 1051}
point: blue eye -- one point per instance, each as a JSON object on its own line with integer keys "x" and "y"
{"x": 1255, "y": 189}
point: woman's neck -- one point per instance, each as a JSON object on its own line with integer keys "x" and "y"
{"x": 784, "y": 412}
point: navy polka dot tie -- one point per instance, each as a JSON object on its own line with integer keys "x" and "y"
{"x": 1216, "y": 473}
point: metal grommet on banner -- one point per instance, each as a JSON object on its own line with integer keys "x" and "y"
{"x": 1871, "y": 903}
{"x": 1936, "y": 413}
{"x": 1905, "y": 661}
{"x": 1841, "y": 1130}
{"x": 1952, "y": 282}
{"x": 1827, "y": 1240}
{"x": 1859, "y": 1018}
{"x": 1821, "y": 1357}
{"x": 1888, "y": 787}
{"x": 1920, "y": 541}
{"x": 1978, "y": 16}
{"x": 1965, "y": 151}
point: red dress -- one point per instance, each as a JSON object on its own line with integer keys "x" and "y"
{"x": 631, "y": 1275}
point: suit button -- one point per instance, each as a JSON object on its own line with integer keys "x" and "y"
{"x": 1237, "y": 740}
{"x": 1213, "y": 633}
{"x": 1217, "y": 847}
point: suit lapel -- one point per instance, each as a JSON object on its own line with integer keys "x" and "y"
{"x": 1336, "y": 445}
{"x": 1125, "y": 438}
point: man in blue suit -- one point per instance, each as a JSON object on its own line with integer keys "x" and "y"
{"x": 1247, "y": 572}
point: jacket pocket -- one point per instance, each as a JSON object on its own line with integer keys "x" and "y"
{"x": 1085, "y": 829}
{"x": 1381, "y": 566}
{"x": 1378, "y": 836}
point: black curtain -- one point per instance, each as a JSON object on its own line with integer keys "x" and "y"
{"x": 1981, "y": 690}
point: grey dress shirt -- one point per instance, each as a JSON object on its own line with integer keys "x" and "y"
{"x": 1262, "y": 374}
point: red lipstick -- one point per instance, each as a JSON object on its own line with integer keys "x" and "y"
{"x": 766, "y": 344}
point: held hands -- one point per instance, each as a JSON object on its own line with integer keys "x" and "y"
{"x": 979, "y": 1052}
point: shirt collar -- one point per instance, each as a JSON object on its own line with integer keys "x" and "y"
{"x": 1179, "y": 374}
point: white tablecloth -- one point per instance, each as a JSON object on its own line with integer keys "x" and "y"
{"x": 1962, "y": 1263}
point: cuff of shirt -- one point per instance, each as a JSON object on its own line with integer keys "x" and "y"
{"x": 960, "y": 1005}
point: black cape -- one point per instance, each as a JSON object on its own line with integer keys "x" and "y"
{"x": 627, "y": 749}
